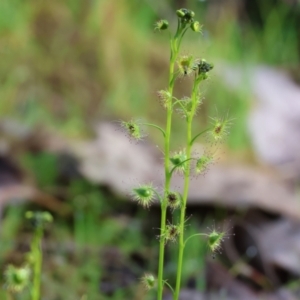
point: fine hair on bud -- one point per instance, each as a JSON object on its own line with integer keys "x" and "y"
{"x": 171, "y": 233}
{"x": 161, "y": 25}
{"x": 196, "y": 26}
{"x": 16, "y": 279}
{"x": 220, "y": 128}
{"x": 203, "y": 162}
{"x": 173, "y": 199}
{"x": 185, "y": 65}
{"x": 216, "y": 237}
{"x": 164, "y": 97}
{"x": 179, "y": 161}
{"x": 144, "y": 195}
{"x": 133, "y": 129}
{"x": 204, "y": 67}
{"x": 148, "y": 281}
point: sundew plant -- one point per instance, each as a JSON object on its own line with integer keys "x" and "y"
{"x": 182, "y": 161}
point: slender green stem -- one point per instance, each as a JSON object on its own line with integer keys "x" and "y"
{"x": 158, "y": 196}
{"x": 185, "y": 189}
{"x": 181, "y": 105}
{"x": 170, "y": 287}
{"x": 197, "y": 135}
{"x": 37, "y": 254}
{"x": 174, "y": 53}
{"x": 175, "y": 167}
{"x": 182, "y": 212}
{"x": 196, "y": 234}
{"x": 155, "y": 126}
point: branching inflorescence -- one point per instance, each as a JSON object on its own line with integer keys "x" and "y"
{"x": 181, "y": 161}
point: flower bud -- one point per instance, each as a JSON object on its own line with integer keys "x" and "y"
{"x": 185, "y": 64}
{"x": 16, "y": 279}
{"x": 215, "y": 239}
{"x": 203, "y": 162}
{"x": 179, "y": 161}
{"x": 149, "y": 281}
{"x": 39, "y": 218}
{"x": 164, "y": 98}
{"x": 181, "y": 12}
{"x": 173, "y": 200}
{"x": 196, "y": 26}
{"x": 133, "y": 129}
{"x": 204, "y": 66}
{"x": 191, "y": 14}
{"x": 161, "y": 25}
{"x": 171, "y": 233}
{"x": 185, "y": 14}
{"x": 220, "y": 128}
{"x": 144, "y": 195}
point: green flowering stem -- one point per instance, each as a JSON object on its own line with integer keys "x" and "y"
{"x": 182, "y": 211}
{"x": 155, "y": 126}
{"x": 173, "y": 57}
{"x": 37, "y": 265}
{"x": 199, "y": 134}
{"x": 38, "y": 220}
{"x": 160, "y": 281}
{"x": 189, "y": 119}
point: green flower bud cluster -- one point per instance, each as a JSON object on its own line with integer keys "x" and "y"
{"x": 39, "y": 218}
{"x": 202, "y": 67}
{"x": 186, "y": 17}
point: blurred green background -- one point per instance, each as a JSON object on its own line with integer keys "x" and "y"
{"x": 67, "y": 64}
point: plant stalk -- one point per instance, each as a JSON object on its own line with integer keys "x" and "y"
{"x": 173, "y": 57}
{"x": 189, "y": 120}
{"x": 38, "y": 256}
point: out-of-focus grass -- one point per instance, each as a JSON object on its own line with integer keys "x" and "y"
{"x": 68, "y": 63}
{"x": 60, "y": 61}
